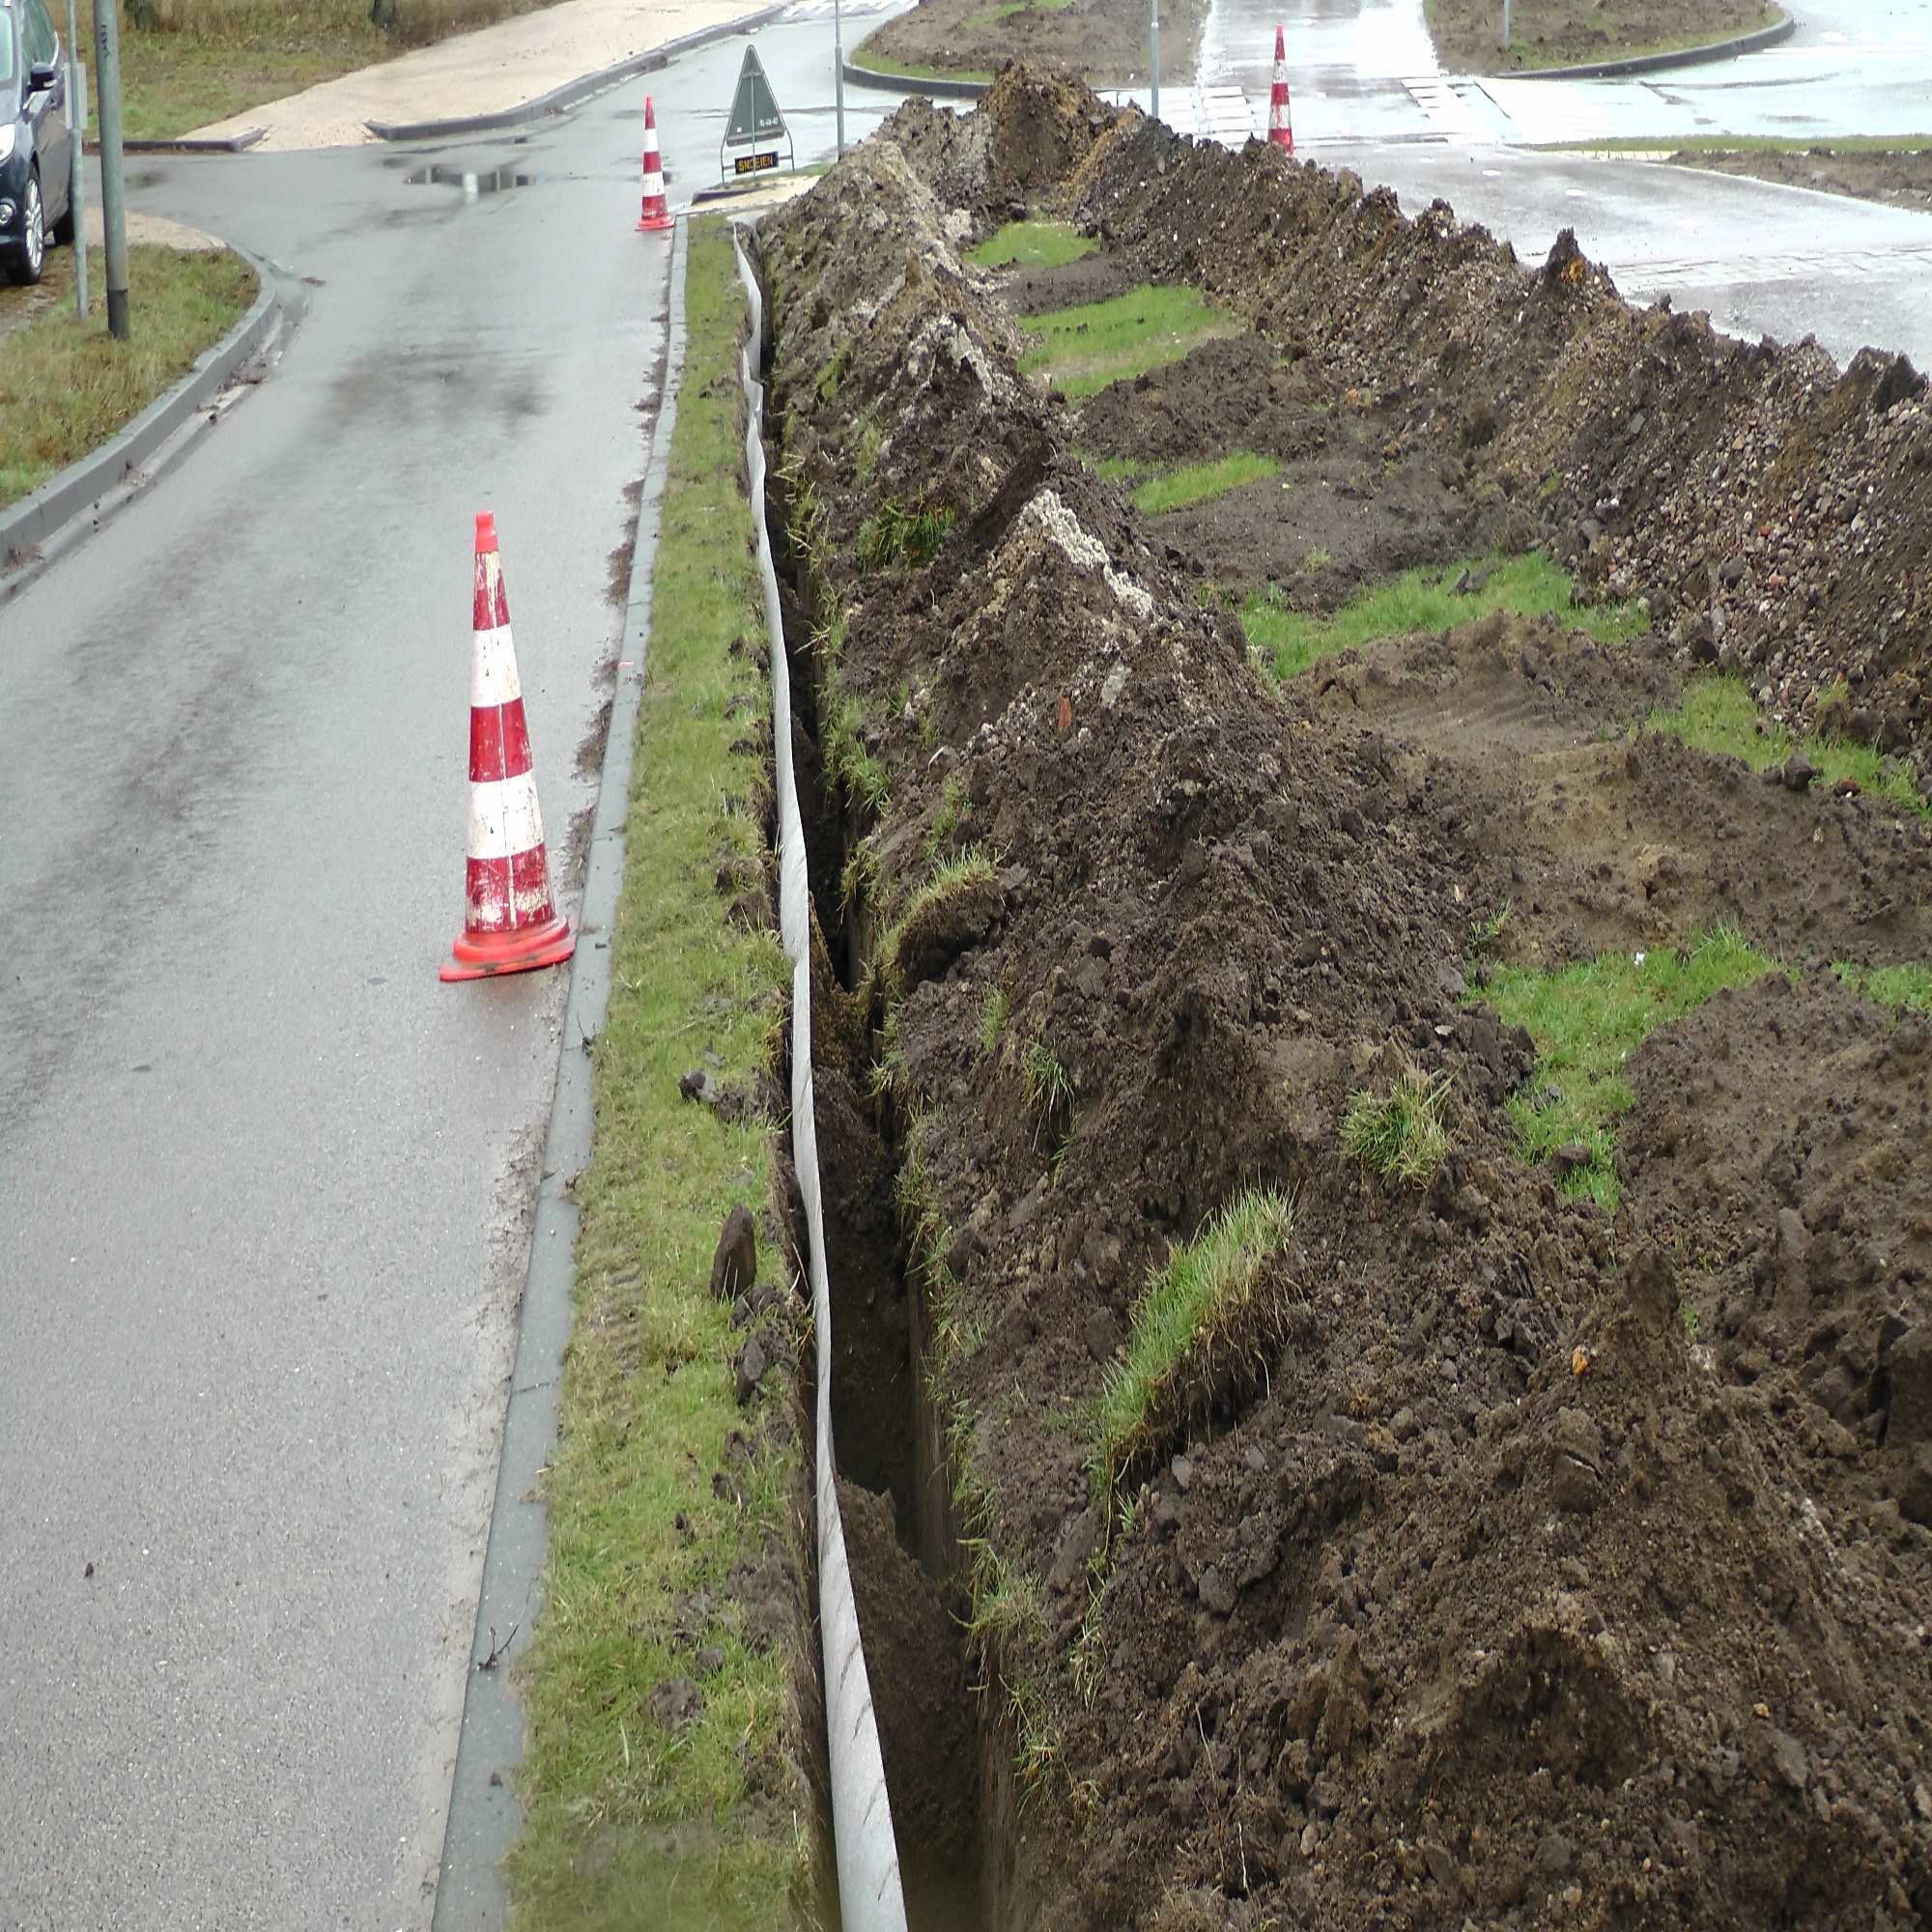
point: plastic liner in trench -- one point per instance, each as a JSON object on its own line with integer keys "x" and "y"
{"x": 862, "y": 1818}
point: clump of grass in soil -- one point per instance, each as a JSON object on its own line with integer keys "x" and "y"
{"x": 65, "y": 387}
{"x": 1032, "y": 245}
{"x": 1202, "y": 482}
{"x": 1049, "y": 1096}
{"x": 1907, "y": 988}
{"x": 1586, "y": 1019}
{"x": 894, "y": 535}
{"x": 967, "y": 871}
{"x": 1204, "y": 1303}
{"x": 1082, "y": 349}
{"x": 197, "y": 61}
{"x": 616, "y": 1808}
{"x": 1426, "y": 600}
{"x": 995, "y": 1007}
{"x": 1402, "y": 1133}
{"x": 1717, "y": 714}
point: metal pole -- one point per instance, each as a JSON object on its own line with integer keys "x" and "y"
{"x": 838, "y": 73}
{"x": 107, "y": 81}
{"x": 76, "y": 186}
{"x": 1153, "y": 54}
{"x": 1505, "y": 41}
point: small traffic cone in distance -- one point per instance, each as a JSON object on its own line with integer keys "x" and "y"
{"x": 1281, "y": 127}
{"x": 655, "y": 215}
{"x": 509, "y": 925}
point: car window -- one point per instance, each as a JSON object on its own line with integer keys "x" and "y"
{"x": 43, "y": 43}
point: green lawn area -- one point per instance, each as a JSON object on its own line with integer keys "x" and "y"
{"x": 1032, "y": 245}
{"x": 65, "y": 387}
{"x": 1529, "y": 585}
{"x": 1202, "y": 482}
{"x": 1082, "y": 349}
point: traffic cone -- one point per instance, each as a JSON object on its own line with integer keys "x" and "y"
{"x": 655, "y": 216}
{"x": 1281, "y": 128}
{"x": 509, "y": 925}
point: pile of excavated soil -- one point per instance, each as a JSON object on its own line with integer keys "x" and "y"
{"x": 1903, "y": 178}
{"x": 1515, "y": 1563}
{"x": 1565, "y": 33}
{"x": 1103, "y": 41}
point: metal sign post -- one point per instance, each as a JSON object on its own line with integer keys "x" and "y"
{"x": 107, "y": 80}
{"x": 755, "y": 125}
{"x": 1154, "y": 57}
{"x": 838, "y": 73}
{"x": 76, "y": 186}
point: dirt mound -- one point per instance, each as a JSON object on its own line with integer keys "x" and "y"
{"x": 1473, "y": 1586}
{"x": 1104, "y": 41}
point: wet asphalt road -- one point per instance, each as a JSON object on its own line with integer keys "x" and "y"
{"x": 262, "y": 1179}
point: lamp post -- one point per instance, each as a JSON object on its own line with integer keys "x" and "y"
{"x": 76, "y": 186}
{"x": 1153, "y": 55}
{"x": 108, "y": 82}
{"x": 839, "y": 74}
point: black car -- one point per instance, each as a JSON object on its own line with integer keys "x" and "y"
{"x": 35, "y": 140}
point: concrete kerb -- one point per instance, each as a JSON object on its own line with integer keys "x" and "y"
{"x": 1609, "y": 69}
{"x": 908, "y": 83}
{"x": 483, "y": 1815}
{"x": 40, "y": 516}
{"x": 191, "y": 144}
{"x": 573, "y": 90}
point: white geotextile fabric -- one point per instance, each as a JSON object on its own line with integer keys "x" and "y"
{"x": 861, "y": 1812}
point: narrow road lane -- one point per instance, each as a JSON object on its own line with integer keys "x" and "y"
{"x": 262, "y": 1177}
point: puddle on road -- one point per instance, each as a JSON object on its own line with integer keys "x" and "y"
{"x": 471, "y": 181}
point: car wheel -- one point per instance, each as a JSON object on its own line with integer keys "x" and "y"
{"x": 31, "y": 256}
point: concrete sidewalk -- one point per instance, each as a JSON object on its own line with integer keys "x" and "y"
{"x": 480, "y": 72}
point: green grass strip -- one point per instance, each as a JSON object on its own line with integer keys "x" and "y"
{"x": 1032, "y": 245}
{"x": 1423, "y": 600}
{"x": 1084, "y": 348}
{"x": 1718, "y": 714}
{"x": 1906, "y": 988}
{"x": 691, "y": 1827}
{"x": 1202, "y": 1295}
{"x": 1745, "y": 144}
{"x": 1586, "y": 1020}
{"x": 66, "y": 385}
{"x": 874, "y": 62}
{"x": 1202, "y": 482}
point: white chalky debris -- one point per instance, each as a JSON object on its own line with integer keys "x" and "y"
{"x": 1048, "y": 513}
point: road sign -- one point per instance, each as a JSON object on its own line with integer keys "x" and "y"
{"x": 756, "y": 123}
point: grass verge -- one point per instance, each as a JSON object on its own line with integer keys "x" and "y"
{"x": 1082, "y": 349}
{"x": 65, "y": 387}
{"x": 1202, "y": 482}
{"x": 1202, "y": 1306}
{"x": 1586, "y": 1020}
{"x": 205, "y": 60}
{"x": 1529, "y": 585}
{"x": 1904, "y": 988}
{"x": 1743, "y": 144}
{"x": 692, "y": 1825}
{"x": 1032, "y": 245}
{"x": 1718, "y": 714}
{"x": 874, "y": 62}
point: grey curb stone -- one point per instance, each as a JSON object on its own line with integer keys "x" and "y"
{"x": 44, "y": 512}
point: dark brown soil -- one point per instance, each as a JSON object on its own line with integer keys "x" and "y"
{"x": 1102, "y": 40}
{"x": 1531, "y": 1566}
{"x": 1567, "y": 32}
{"x": 1903, "y": 180}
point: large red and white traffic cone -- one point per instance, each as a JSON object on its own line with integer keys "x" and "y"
{"x": 509, "y": 925}
{"x": 656, "y": 214}
{"x": 1281, "y": 127}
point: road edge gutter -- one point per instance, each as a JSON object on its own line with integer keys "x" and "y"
{"x": 483, "y": 1817}
{"x": 571, "y": 92}
{"x": 44, "y": 514}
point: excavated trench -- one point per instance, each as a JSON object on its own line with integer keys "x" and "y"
{"x": 946, "y": 1742}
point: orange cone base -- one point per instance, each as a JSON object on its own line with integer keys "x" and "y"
{"x": 652, "y": 224}
{"x": 483, "y": 955}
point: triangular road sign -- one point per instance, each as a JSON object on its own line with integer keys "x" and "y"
{"x": 754, "y": 108}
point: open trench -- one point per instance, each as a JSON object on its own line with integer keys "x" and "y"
{"x": 945, "y": 1733}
